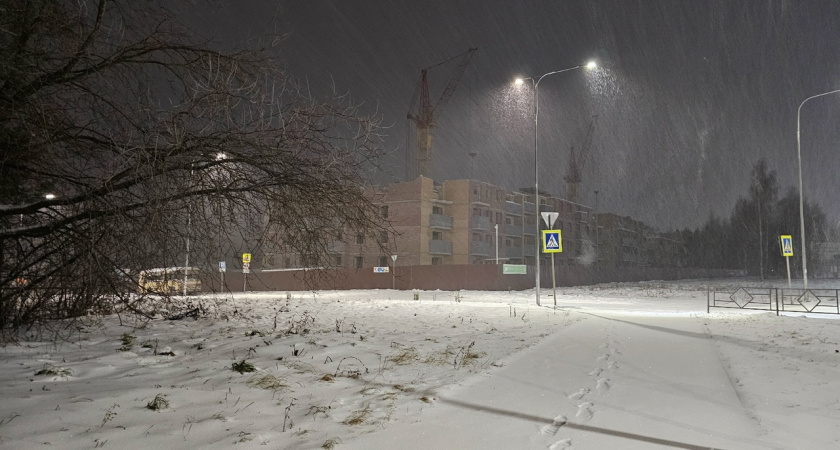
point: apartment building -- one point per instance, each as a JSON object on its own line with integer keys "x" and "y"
{"x": 474, "y": 222}
{"x": 624, "y": 242}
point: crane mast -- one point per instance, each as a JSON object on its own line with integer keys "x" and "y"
{"x": 577, "y": 161}
{"x": 426, "y": 117}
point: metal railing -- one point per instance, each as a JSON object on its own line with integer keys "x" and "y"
{"x": 812, "y": 301}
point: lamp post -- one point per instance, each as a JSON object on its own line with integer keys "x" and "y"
{"x": 801, "y": 207}
{"x": 536, "y": 84}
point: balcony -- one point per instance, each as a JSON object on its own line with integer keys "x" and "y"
{"x": 480, "y": 223}
{"x": 478, "y": 248}
{"x": 529, "y": 250}
{"x": 437, "y": 247}
{"x": 440, "y": 221}
{"x": 530, "y": 208}
{"x": 513, "y": 208}
{"x": 513, "y": 230}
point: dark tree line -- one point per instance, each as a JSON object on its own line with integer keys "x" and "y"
{"x": 151, "y": 140}
{"x": 749, "y": 238}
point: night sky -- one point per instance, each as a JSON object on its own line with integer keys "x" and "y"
{"x": 689, "y": 94}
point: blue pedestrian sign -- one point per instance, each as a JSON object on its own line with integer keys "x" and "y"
{"x": 551, "y": 241}
{"x": 787, "y": 245}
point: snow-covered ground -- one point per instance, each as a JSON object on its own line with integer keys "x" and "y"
{"x": 639, "y": 365}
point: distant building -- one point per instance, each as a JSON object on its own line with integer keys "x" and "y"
{"x": 471, "y": 222}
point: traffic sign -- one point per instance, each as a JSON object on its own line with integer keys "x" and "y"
{"x": 222, "y": 266}
{"x": 246, "y": 258}
{"x": 380, "y": 269}
{"x": 552, "y": 241}
{"x": 549, "y": 218}
{"x": 246, "y": 267}
{"x": 787, "y": 245}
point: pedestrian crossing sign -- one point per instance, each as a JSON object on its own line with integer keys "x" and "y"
{"x": 551, "y": 241}
{"x": 787, "y": 245}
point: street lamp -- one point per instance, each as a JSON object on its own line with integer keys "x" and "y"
{"x": 536, "y": 84}
{"x": 801, "y": 207}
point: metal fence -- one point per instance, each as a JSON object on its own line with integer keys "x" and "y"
{"x": 812, "y": 301}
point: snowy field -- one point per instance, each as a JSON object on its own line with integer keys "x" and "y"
{"x": 638, "y": 365}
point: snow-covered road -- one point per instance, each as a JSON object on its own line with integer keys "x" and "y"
{"x": 606, "y": 381}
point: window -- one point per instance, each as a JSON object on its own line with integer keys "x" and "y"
{"x": 498, "y": 217}
{"x": 360, "y": 238}
{"x": 337, "y": 260}
{"x": 475, "y": 192}
{"x": 437, "y": 210}
{"x": 508, "y": 243}
{"x": 437, "y": 261}
{"x": 287, "y": 262}
{"x": 508, "y": 220}
{"x": 476, "y": 237}
{"x": 359, "y": 262}
{"x": 339, "y": 236}
{"x": 383, "y": 237}
{"x": 383, "y": 261}
{"x": 476, "y": 212}
{"x": 437, "y": 236}
{"x": 383, "y": 211}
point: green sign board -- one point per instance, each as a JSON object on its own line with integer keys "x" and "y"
{"x": 514, "y": 269}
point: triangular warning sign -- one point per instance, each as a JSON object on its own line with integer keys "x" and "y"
{"x": 788, "y": 248}
{"x": 552, "y": 241}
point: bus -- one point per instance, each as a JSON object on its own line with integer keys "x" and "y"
{"x": 169, "y": 280}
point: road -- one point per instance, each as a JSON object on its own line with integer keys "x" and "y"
{"x": 607, "y": 380}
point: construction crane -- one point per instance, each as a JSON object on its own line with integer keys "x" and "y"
{"x": 426, "y": 117}
{"x": 577, "y": 161}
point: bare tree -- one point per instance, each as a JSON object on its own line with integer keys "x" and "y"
{"x": 151, "y": 140}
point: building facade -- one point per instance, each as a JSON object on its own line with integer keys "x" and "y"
{"x": 467, "y": 222}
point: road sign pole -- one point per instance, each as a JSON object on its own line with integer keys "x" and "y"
{"x": 787, "y": 261}
{"x": 553, "y": 281}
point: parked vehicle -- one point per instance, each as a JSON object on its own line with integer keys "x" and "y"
{"x": 169, "y": 280}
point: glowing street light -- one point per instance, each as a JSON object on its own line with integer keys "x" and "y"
{"x": 536, "y": 84}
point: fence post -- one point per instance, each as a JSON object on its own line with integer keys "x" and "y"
{"x": 708, "y": 287}
{"x": 777, "y": 301}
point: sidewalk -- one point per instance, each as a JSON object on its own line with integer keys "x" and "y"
{"x": 606, "y": 381}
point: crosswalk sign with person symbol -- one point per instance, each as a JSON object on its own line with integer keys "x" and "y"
{"x": 787, "y": 245}
{"x": 551, "y": 241}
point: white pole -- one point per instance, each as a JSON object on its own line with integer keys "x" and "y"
{"x": 496, "y": 244}
{"x": 801, "y": 207}
{"x": 394, "y": 272}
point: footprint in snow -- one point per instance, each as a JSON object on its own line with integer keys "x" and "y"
{"x": 612, "y": 365}
{"x": 596, "y": 372}
{"x": 603, "y": 357}
{"x": 552, "y": 428}
{"x": 579, "y": 394}
{"x": 561, "y": 444}
{"x": 603, "y": 384}
{"x": 584, "y": 411}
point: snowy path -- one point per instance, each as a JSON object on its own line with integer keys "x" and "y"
{"x": 610, "y": 380}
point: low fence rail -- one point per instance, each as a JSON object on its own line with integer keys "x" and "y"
{"x": 812, "y": 301}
